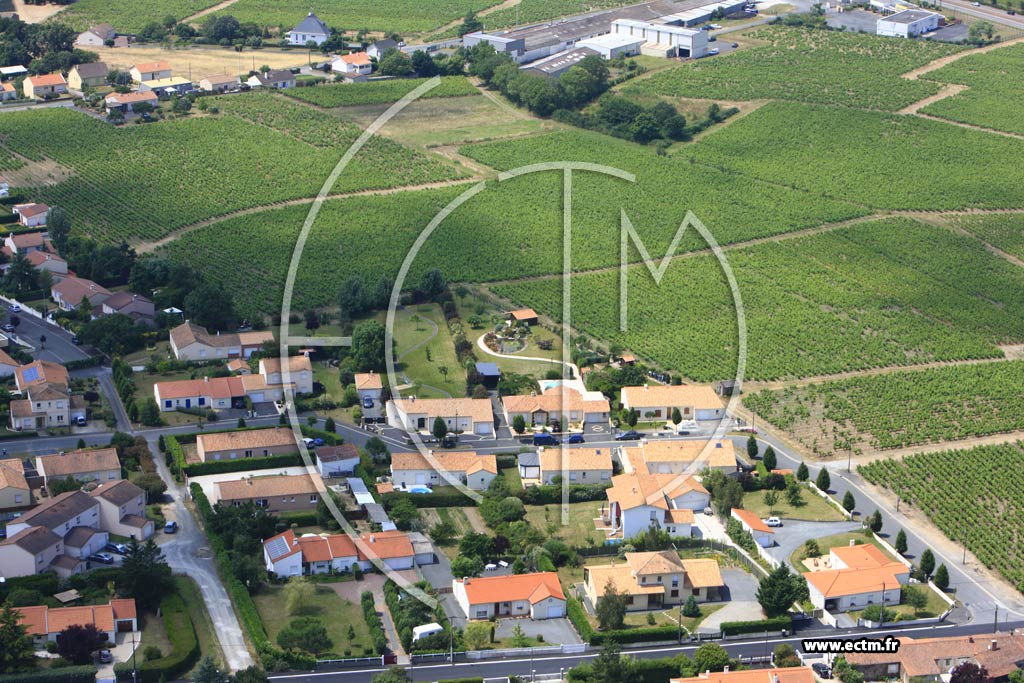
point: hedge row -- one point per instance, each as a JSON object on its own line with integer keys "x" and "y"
{"x": 90, "y": 362}
{"x": 181, "y": 632}
{"x": 506, "y": 462}
{"x": 649, "y": 670}
{"x": 478, "y": 679}
{"x": 437, "y": 499}
{"x": 732, "y": 628}
{"x": 47, "y": 584}
{"x": 174, "y": 456}
{"x": 68, "y": 674}
{"x": 330, "y": 438}
{"x": 244, "y": 464}
{"x": 636, "y": 635}
{"x": 578, "y": 616}
{"x": 552, "y": 494}
{"x": 380, "y": 640}
{"x": 299, "y": 518}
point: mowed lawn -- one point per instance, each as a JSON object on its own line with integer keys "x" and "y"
{"x": 548, "y": 518}
{"x": 814, "y": 509}
{"x": 335, "y": 612}
{"x": 432, "y": 366}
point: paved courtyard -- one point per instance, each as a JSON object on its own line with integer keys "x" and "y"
{"x": 554, "y": 631}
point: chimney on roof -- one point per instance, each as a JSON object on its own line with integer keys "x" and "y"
{"x": 994, "y": 645}
{"x": 725, "y": 670}
{"x": 646, "y": 387}
{"x": 372, "y": 539}
{"x": 206, "y": 379}
{"x": 465, "y": 580}
{"x": 852, "y": 542}
{"x": 970, "y": 639}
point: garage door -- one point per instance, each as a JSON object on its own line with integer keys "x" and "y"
{"x": 483, "y": 428}
{"x": 712, "y": 414}
{"x": 555, "y": 611}
{"x": 257, "y": 397}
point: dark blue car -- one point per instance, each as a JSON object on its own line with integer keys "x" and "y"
{"x": 574, "y": 438}
{"x": 544, "y": 439}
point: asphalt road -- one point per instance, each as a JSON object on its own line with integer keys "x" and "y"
{"x": 984, "y": 12}
{"x": 58, "y": 348}
{"x": 500, "y": 668}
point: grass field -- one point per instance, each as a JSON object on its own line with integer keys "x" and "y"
{"x": 336, "y": 613}
{"x": 128, "y": 16}
{"x": 432, "y": 367}
{"x": 814, "y": 509}
{"x": 1005, "y": 232}
{"x": 867, "y": 157}
{"x": 401, "y": 16}
{"x": 806, "y": 65}
{"x": 579, "y": 531}
{"x": 899, "y": 409}
{"x": 995, "y": 79}
{"x": 349, "y": 94}
{"x": 974, "y": 496}
{"x": 868, "y": 295}
{"x": 260, "y": 151}
{"x": 200, "y": 60}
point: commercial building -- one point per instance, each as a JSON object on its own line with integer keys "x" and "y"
{"x": 664, "y": 40}
{"x": 909, "y": 23}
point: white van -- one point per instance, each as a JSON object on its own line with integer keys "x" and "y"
{"x": 425, "y": 630}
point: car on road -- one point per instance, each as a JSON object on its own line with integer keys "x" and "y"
{"x": 734, "y": 45}
{"x": 630, "y": 435}
{"x": 171, "y": 527}
{"x": 8, "y": 327}
{"x": 119, "y": 548}
{"x": 106, "y": 657}
{"x": 822, "y": 670}
{"x": 975, "y": 4}
{"x": 81, "y": 421}
{"x": 76, "y": 341}
{"x": 713, "y": 51}
{"x": 14, "y": 308}
{"x": 773, "y": 521}
{"x": 544, "y": 439}
{"x": 313, "y": 443}
{"x": 102, "y": 558}
{"x": 708, "y": 511}
{"x": 683, "y": 432}
{"x": 450, "y": 441}
{"x": 746, "y": 430}
{"x": 574, "y": 438}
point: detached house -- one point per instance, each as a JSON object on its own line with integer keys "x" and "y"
{"x": 44, "y": 86}
{"x": 681, "y": 457}
{"x": 150, "y": 71}
{"x": 289, "y": 555}
{"x": 559, "y": 404}
{"x": 337, "y": 461}
{"x": 654, "y": 580}
{"x": 97, "y": 36}
{"x": 310, "y": 29}
{"x": 126, "y": 102}
{"x": 581, "y": 465}
{"x": 45, "y": 624}
{"x": 472, "y": 415}
{"x": 857, "y": 576}
{"x": 754, "y": 526}
{"x": 192, "y": 342}
{"x": 299, "y": 368}
{"x": 694, "y": 401}
{"x": 413, "y": 469}
{"x": 353, "y": 65}
{"x": 638, "y": 501}
{"x": 47, "y": 402}
{"x": 538, "y": 596}
{"x": 8, "y": 92}
{"x": 26, "y": 242}
{"x": 275, "y": 78}
{"x": 252, "y": 443}
{"x": 218, "y": 83}
{"x": 34, "y": 550}
{"x": 274, "y": 493}
{"x": 92, "y": 74}
{"x": 135, "y": 306}
{"x": 53, "y": 264}
{"x": 123, "y": 509}
{"x": 32, "y": 215}
{"x": 209, "y": 392}
{"x": 14, "y": 490}
{"x": 74, "y": 518}
{"x": 931, "y": 659}
{"x": 69, "y": 293}
{"x": 377, "y": 50}
{"x": 98, "y": 464}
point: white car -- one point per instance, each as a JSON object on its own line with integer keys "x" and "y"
{"x": 713, "y": 51}
{"x": 773, "y": 521}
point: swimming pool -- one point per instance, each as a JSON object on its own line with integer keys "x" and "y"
{"x": 419, "y": 489}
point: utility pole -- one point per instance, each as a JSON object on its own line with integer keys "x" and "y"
{"x": 995, "y": 620}
{"x": 134, "y": 670}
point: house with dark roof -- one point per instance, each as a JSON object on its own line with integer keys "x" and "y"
{"x": 275, "y": 78}
{"x": 337, "y": 461}
{"x": 193, "y": 342}
{"x": 489, "y": 374}
{"x": 71, "y": 517}
{"x": 29, "y": 551}
{"x": 91, "y": 74}
{"x": 123, "y": 509}
{"x": 307, "y": 30}
{"x": 135, "y": 306}
{"x": 377, "y": 50}
{"x": 96, "y": 36}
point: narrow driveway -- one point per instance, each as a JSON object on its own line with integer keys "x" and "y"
{"x": 188, "y": 553}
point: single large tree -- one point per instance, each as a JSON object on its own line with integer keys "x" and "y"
{"x": 611, "y": 608}
{"x": 368, "y": 347}
{"x": 769, "y": 459}
{"x": 298, "y": 594}
{"x": 145, "y": 574}
{"x": 901, "y": 542}
{"x": 752, "y": 447}
{"x": 874, "y": 522}
{"x": 440, "y": 428}
{"x": 710, "y": 657}
{"x": 779, "y": 590}
{"x": 941, "y": 579}
{"x": 969, "y": 672}
{"x": 802, "y": 473}
{"x": 824, "y": 481}
{"x": 727, "y": 496}
{"x": 58, "y": 225}
{"x": 927, "y": 563}
{"x": 611, "y": 667}
{"x": 849, "y": 503}
{"x": 76, "y": 643}
{"x": 305, "y": 633}
{"x": 16, "y": 649}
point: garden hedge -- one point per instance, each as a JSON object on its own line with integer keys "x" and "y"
{"x": 68, "y": 674}
{"x": 578, "y": 616}
{"x": 437, "y": 499}
{"x": 636, "y": 635}
{"x": 732, "y": 628}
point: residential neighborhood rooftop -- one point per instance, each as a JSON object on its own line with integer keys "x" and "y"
{"x": 451, "y": 461}
{"x": 78, "y": 462}
{"x": 532, "y": 587}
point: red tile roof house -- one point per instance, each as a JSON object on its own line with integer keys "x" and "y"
{"x": 98, "y": 464}
{"x": 32, "y": 215}
{"x": 125, "y": 102}
{"x": 755, "y": 526}
{"x": 39, "y": 87}
{"x": 216, "y": 393}
{"x": 931, "y": 659}
{"x": 45, "y": 623}
{"x": 354, "y": 64}
{"x": 69, "y": 293}
{"x": 48, "y": 402}
{"x": 538, "y": 596}
{"x": 249, "y": 443}
{"x": 858, "y": 576}
{"x": 289, "y": 555}
{"x": 25, "y": 242}
{"x": 57, "y": 266}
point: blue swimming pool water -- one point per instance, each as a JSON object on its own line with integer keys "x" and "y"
{"x": 419, "y": 489}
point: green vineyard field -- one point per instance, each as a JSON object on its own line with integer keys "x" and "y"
{"x": 996, "y": 80}
{"x": 140, "y": 182}
{"x": 1003, "y": 231}
{"x": 974, "y": 496}
{"x": 128, "y": 16}
{"x": 350, "y": 94}
{"x": 806, "y": 65}
{"x": 880, "y": 160}
{"x": 865, "y": 296}
{"x": 899, "y": 409}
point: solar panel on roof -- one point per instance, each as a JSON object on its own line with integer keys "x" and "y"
{"x": 277, "y": 547}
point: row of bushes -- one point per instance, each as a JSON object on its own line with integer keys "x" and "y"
{"x": 330, "y": 438}
{"x": 244, "y": 464}
{"x": 67, "y": 674}
{"x": 636, "y": 635}
{"x": 552, "y": 494}
{"x": 578, "y": 616}
{"x": 79, "y": 364}
{"x": 649, "y": 670}
{"x": 301, "y": 518}
{"x": 181, "y": 633}
{"x": 451, "y": 498}
{"x": 733, "y": 628}
{"x": 380, "y": 640}
{"x": 174, "y": 456}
